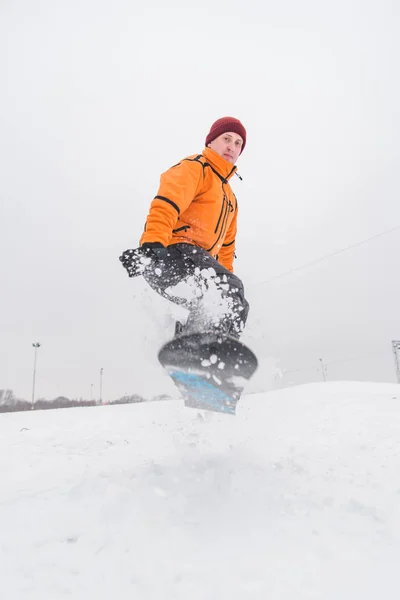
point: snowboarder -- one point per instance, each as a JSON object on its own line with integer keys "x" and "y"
{"x": 187, "y": 248}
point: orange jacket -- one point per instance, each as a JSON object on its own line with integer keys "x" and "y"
{"x": 196, "y": 205}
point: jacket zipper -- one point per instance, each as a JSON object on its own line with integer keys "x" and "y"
{"x": 221, "y": 213}
{"x": 227, "y": 207}
{"x": 224, "y": 215}
{"x": 225, "y": 224}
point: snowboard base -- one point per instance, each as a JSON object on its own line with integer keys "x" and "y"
{"x": 209, "y": 370}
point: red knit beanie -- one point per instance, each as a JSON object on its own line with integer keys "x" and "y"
{"x": 226, "y": 124}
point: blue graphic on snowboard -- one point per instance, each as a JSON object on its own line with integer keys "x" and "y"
{"x": 199, "y": 393}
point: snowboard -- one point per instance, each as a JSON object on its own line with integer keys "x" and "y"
{"x": 210, "y": 370}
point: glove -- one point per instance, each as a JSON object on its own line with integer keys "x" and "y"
{"x": 136, "y": 260}
{"x": 154, "y": 250}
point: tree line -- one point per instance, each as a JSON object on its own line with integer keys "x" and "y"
{"x": 10, "y": 403}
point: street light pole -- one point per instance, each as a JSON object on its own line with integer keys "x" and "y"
{"x": 91, "y": 392}
{"x": 323, "y": 369}
{"x": 36, "y": 345}
{"x": 396, "y": 352}
{"x": 101, "y": 385}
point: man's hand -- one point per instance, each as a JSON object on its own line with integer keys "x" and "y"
{"x": 154, "y": 249}
{"x": 135, "y": 261}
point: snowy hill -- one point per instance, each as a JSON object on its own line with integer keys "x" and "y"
{"x": 297, "y": 497}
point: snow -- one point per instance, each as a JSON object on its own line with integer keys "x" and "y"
{"x": 297, "y": 497}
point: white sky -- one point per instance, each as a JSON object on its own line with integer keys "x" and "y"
{"x": 98, "y": 98}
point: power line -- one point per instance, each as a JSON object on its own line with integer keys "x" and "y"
{"x": 323, "y": 366}
{"x": 317, "y": 260}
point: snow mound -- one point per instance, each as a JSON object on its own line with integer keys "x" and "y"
{"x": 297, "y": 496}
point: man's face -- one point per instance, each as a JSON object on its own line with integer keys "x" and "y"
{"x": 228, "y": 145}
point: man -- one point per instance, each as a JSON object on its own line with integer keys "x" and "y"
{"x": 187, "y": 248}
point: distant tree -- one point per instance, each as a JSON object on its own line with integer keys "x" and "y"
{"x": 128, "y": 399}
{"x": 62, "y": 402}
{"x": 21, "y": 405}
{"x": 9, "y": 403}
{"x": 7, "y": 397}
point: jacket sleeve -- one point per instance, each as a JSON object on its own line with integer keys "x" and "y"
{"x": 227, "y": 253}
{"x": 178, "y": 187}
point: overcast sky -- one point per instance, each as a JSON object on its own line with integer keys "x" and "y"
{"x": 98, "y": 98}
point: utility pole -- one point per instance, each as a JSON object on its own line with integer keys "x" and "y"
{"x": 91, "y": 392}
{"x": 101, "y": 385}
{"x": 36, "y": 345}
{"x": 396, "y": 352}
{"x": 323, "y": 369}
